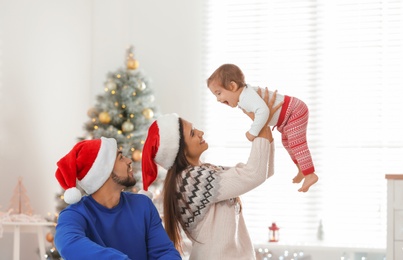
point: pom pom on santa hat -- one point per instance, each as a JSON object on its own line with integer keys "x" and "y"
{"x": 161, "y": 147}
{"x": 89, "y": 164}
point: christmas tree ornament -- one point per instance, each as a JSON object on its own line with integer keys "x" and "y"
{"x": 148, "y": 113}
{"x": 49, "y": 237}
{"x": 132, "y": 63}
{"x": 136, "y": 155}
{"x": 141, "y": 85}
{"x": 92, "y": 112}
{"x": 274, "y": 232}
{"x": 110, "y": 84}
{"x": 127, "y": 126}
{"x": 104, "y": 117}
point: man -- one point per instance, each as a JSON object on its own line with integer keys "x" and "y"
{"x": 108, "y": 223}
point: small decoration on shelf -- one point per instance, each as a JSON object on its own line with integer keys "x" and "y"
{"x": 274, "y": 233}
{"x": 319, "y": 234}
{"x": 19, "y": 203}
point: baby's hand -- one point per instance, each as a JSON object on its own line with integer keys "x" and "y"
{"x": 250, "y": 136}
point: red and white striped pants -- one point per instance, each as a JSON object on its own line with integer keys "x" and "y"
{"x": 293, "y": 127}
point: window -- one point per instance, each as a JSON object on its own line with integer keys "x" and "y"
{"x": 345, "y": 60}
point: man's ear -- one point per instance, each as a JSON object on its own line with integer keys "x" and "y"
{"x": 233, "y": 86}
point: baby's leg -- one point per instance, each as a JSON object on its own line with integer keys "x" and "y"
{"x": 294, "y": 139}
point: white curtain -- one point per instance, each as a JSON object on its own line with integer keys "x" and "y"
{"x": 345, "y": 60}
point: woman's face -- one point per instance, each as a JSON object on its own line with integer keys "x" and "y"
{"x": 195, "y": 145}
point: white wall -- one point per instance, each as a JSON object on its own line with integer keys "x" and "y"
{"x": 167, "y": 43}
{"x": 54, "y": 57}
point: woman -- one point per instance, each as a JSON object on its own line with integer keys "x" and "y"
{"x": 203, "y": 199}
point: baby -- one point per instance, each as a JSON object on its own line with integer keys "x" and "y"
{"x": 227, "y": 83}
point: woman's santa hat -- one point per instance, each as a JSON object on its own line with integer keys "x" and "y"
{"x": 161, "y": 147}
{"x": 89, "y": 163}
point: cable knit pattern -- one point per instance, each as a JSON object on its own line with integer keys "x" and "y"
{"x": 199, "y": 185}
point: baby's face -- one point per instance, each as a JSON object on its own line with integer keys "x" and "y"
{"x": 225, "y": 96}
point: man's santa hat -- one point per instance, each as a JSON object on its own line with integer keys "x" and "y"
{"x": 161, "y": 147}
{"x": 89, "y": 163}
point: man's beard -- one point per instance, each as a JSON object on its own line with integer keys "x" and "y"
{"x": 127, "y": 182}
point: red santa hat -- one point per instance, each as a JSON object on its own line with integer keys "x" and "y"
{"x": 89, "y": 163}
{"x": 161, "y": 147}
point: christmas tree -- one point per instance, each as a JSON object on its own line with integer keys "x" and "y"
{"x": 123, "y": 111}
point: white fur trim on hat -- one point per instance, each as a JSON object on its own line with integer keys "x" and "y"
{"x": 72, "y": 195}
{"x": 102, "y": 167}
{"x": 168, "y": 126}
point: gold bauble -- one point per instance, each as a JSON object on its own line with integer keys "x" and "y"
{"x": 92, "y": 112}
{"x": 104, "y": 117}
{"x": 49, "y": 237}
{"x": 127, "y": 126}
{"x": 148, "y": 113}
{"x": 136, "y": 155}
{"x": 132, "y": 64}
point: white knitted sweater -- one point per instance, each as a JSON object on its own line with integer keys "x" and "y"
{"x": 214, "y": 218}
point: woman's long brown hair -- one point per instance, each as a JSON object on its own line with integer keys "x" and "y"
{"x": 172, "y": 216}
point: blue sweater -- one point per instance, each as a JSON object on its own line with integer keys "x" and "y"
{"x": 131, "y": 230}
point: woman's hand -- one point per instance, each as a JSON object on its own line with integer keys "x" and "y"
{"x": 270, "y": 102}
{"x": 266, "y": 131}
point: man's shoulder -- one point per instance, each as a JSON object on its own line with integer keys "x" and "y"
{"x": 136, "y": 197}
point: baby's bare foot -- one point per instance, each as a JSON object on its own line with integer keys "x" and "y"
{"x": 309, "y": 180}
{"x": 298, "y": 178}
